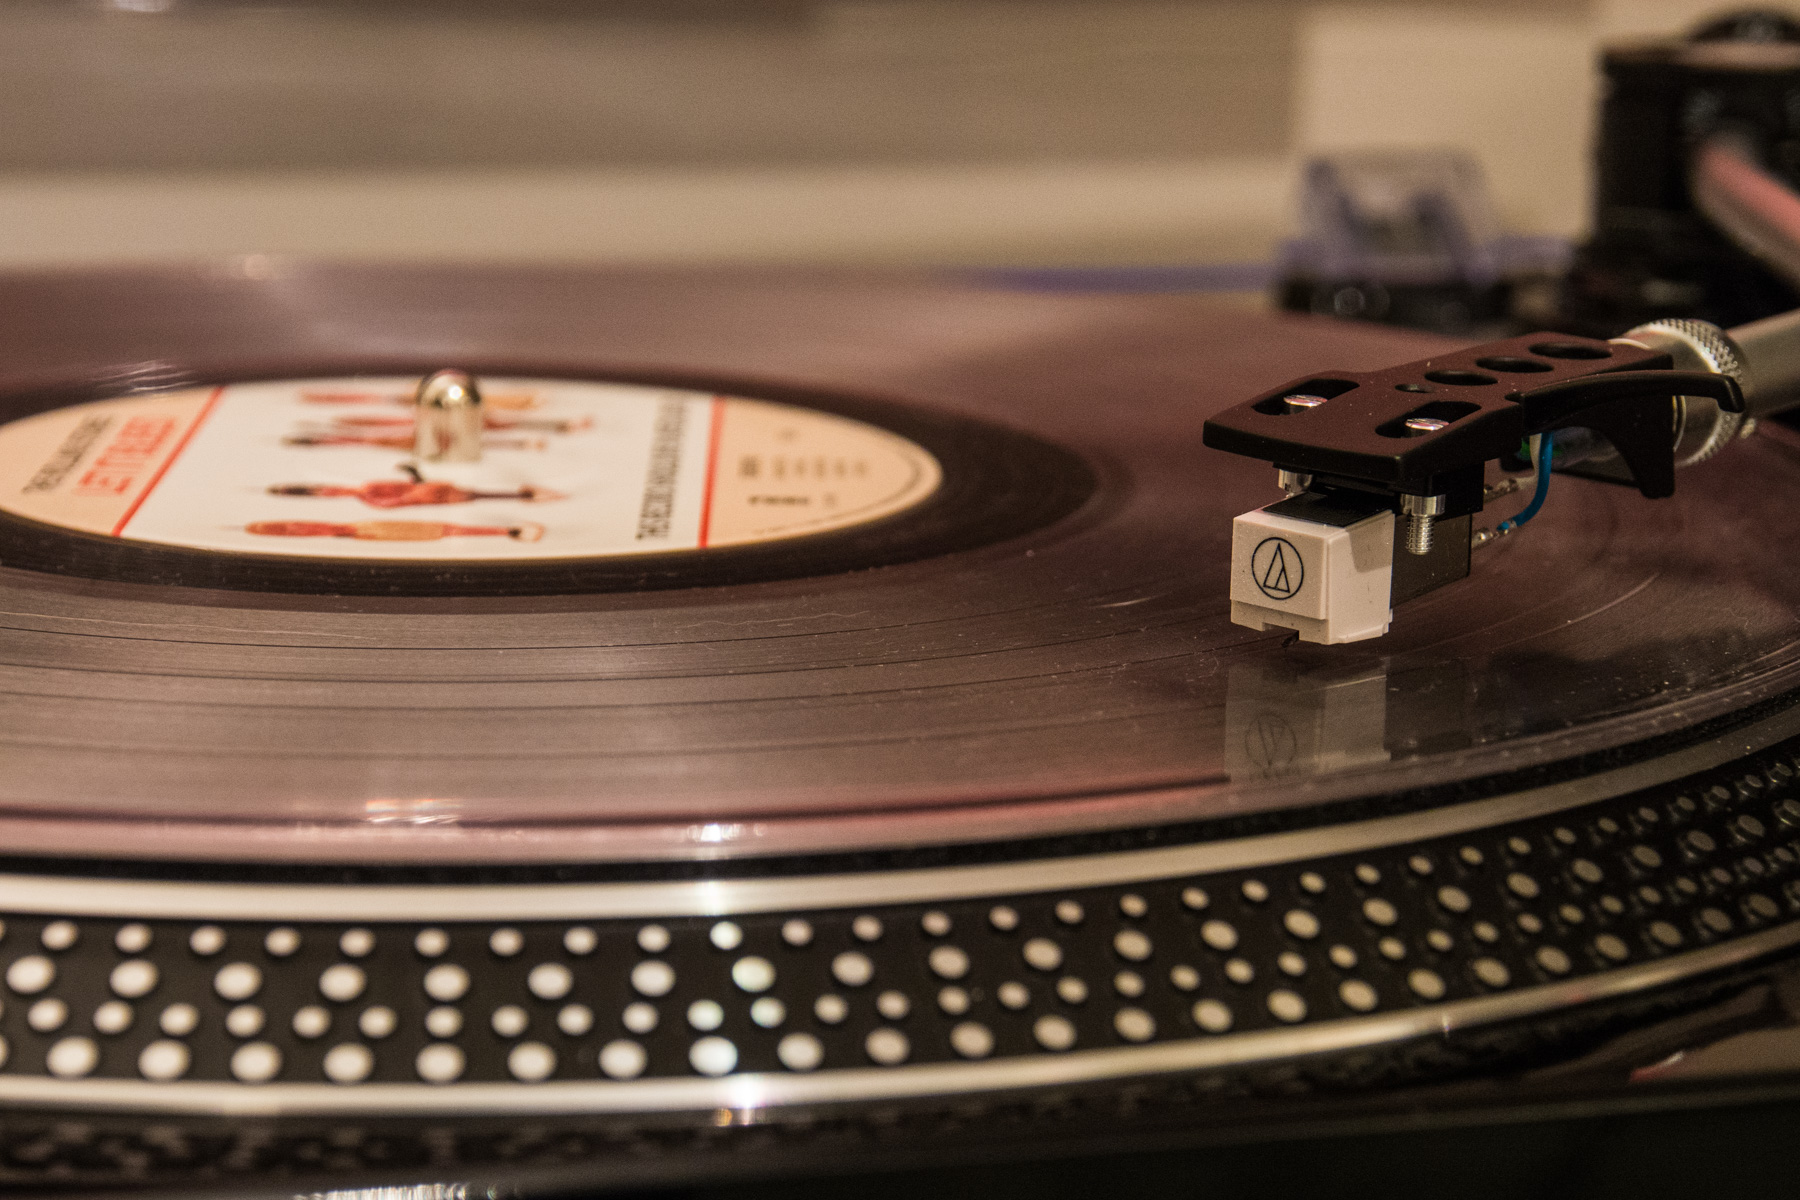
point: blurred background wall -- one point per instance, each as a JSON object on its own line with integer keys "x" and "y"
{"x": 939, "y": 132}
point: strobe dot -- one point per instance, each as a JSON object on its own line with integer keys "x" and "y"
{"x": 446, "y": 982}
{"x": 948, "y": 962}
{"x": 114, "y": 1016}
{"x": 713, "y": 1056}
{"x": 971, "y": 1039}
{"x": 889, "y": 1047}
{"x": 753, "y": 974}
{"x": 179, "y": 1020}
{"x": 639, "y": 1017}
{"x": 47, "y": 1015}
{"x": 550, "y": 981}
{"x": 257, "y": 1062}
{"x": 342, "y": 982}
{"x": 348, "y": 1063}
{"x": 1054, "y": 1032}
{"x": 443, "y": 1022}
{"x": 1301, "y": 923}
{"x": 1212, "y": 1016}
{"x": 245, "y": 1021}
{"x": 852, "y": 969}
{"x": 237, "y": 981}
{"x": 1134, "y": 1024}
{"x": 653, "y": 977}
{"x": 29, "y": 975}
{"x": 133, "y": 978}
{"x": 72, "y": 1058}
{"x": 800, "y": 1052}
{"x": 531, "y": 1062}
{"x": 311, "y": 1021}
{"x": 378, "y": 1022}
{"x": 1286, "y": 1006}
{"x": 439, "y": 1062}
{"x": 1132, "y": 944}
{"x": 623, "y": 1059}
{"x": 163, "y": 1060}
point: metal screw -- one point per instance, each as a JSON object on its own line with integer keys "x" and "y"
{"x": 1301, "y": 400}
{"x": 1292, "y": 482}
{"x": 1421, "y": 513}
{"x": 1426, "y": 424}
{"x": 1418, "y": 534}
{"x": 447, "y": 418}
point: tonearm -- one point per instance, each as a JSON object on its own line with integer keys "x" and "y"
{"x": 1386, "y": 471}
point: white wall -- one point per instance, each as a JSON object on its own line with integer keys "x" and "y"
{"x": 882, "y": 131}
{"x": 1516, "y": 87}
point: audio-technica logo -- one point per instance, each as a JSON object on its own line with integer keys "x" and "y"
{"x": 1277, "y": 568}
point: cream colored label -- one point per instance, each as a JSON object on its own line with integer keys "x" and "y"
{"x": 323, "y": 467}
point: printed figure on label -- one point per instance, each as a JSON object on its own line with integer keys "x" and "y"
{"x": 400, "y": 493}
{"x": 505, "y": 401}
{"x": 394, "y": 531}
{"x": 488, "y": 421}
{"x": 399, "y": 441}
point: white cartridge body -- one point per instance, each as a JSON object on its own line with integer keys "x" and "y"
{"x": 1328, "y": 583}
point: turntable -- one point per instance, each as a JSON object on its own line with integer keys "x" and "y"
{"x": 535, "y": 730}
{"x": 511, "y": 720}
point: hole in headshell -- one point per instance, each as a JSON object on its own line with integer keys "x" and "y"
{"x": 1427, "y": 418}
{"x": 1461, "y": 378}
{"x": 1303, "y": 396}
{"x": 1570, "y": 350}
{"x": 1516, "y": 366}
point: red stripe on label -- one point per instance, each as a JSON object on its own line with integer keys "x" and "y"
{"x": 712, "y": 467}
{"x": 205, "y": 412}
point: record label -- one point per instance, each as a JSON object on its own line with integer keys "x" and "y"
{"x": 324, "y": 468}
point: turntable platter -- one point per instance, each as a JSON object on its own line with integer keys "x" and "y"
{"x": 1071, "y": 672}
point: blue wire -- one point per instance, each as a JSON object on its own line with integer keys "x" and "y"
{"x": 1537, "y": 498}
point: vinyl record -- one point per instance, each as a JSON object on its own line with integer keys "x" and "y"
{"x": 1040, "y": 649}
